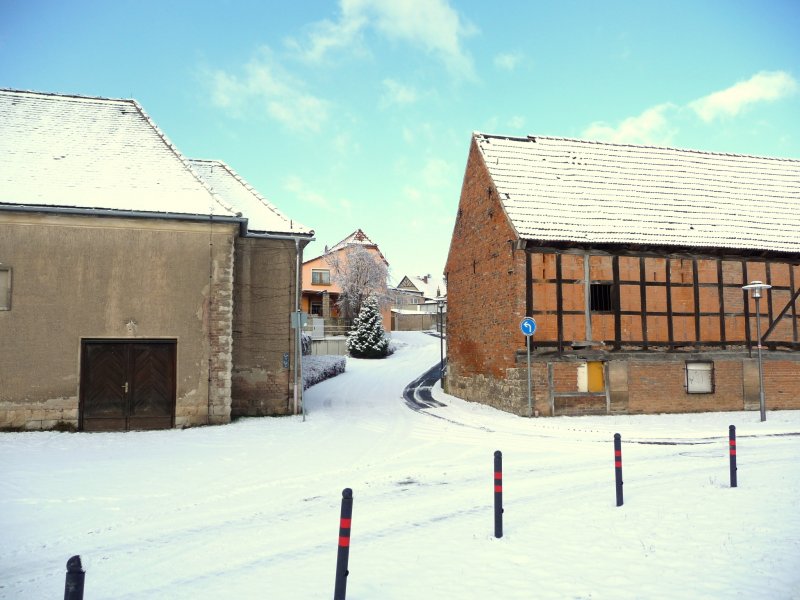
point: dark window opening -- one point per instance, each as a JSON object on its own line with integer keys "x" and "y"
{"x": 602, "y": 299}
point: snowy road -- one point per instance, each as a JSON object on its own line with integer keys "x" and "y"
{"x": 251, "y": 510}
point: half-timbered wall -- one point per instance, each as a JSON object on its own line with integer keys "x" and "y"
{"x": 657, "y": 311}
{"x": 660, "y": 301}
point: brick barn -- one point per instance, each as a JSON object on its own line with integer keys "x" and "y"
{"x": 631, "y": 260}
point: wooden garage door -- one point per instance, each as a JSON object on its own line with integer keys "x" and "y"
{"x": 127, "y": 385}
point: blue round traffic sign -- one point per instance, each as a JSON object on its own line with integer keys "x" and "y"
{"x": 528, "y": 326}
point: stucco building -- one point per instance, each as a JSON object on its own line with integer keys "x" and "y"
{"x": 631, "y": 260}
{"x": 141, "y": 290}
{"x": 320, "y": 288}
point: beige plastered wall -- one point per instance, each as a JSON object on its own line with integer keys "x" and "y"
{"x": 264, "y": 298}
{"x": 79, "y": 277}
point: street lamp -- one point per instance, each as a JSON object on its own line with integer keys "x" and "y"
{"x": 755, "y": 288}
{"x": 440, "y": 308}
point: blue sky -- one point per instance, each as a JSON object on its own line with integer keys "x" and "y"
{"x": 358, "y": 113}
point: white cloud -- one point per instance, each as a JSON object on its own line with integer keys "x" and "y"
{"x": 297, "y": 186}
{"x": 651, "y": 127}
{"x": 437, "y": 173}
{"x": 412, "y": 194}
{"x": 266, "y": 87}
{"x": 326, "y": 36}
{"x": 516, "y": 122}
{"x": 397, "y": 94}
{"x": 345, "y": 144}
{"x": 419, "y": 133}
{"x": 659, "y": 125}
{"x": 507, "y": 61}
{"x": 431, "y": 25}
{"x": 761, "y": 87}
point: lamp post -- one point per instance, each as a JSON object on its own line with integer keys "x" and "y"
{"x": 440, "y": 308}
{"x": 755, "y": 288}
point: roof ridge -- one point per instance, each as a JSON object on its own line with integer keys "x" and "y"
{"x": 65, "y": 96}
{"x": 534, "y": 138}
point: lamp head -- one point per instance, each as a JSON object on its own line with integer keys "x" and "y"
{"x": 755, "y": 288}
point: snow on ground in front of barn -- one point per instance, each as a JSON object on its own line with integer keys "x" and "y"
{"x": 251, "y": 510}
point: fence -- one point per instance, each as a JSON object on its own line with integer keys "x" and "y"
{"x": 421, "y": 321}
{"x": 329, "y": 346}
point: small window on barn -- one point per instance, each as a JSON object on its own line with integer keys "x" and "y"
{"x": 700, "y": 377}
{"x": 320, "y": 277}
{"x": 602, "y": 300}
{"x": 5, "y": 288}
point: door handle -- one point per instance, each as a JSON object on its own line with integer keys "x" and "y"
{"x": 125, "y": 387}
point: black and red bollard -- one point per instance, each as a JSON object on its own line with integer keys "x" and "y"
{"x": 343, "y": 556}
{"x": 618, "y": 466}
{"x": 732, "y": 445}
{"x": 73, "y": 586}
{"x": 498, "y": 494}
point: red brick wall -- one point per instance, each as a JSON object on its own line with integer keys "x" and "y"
{"x": 486, "y": 281}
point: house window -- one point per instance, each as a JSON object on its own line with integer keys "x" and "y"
{"x": 602, "y": 300}
{"x": 5, "y": 288}
{"x": 316, "y": 308}
{"x": 320, "y": 277}
{"x": 700, "y": 377}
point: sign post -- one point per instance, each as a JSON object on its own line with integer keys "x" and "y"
{"x": 528, "y": 327}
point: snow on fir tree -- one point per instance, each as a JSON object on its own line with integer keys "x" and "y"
{"x": 367, "y": 338}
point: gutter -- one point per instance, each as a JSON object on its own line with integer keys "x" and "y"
{"x": 123, "y": 213}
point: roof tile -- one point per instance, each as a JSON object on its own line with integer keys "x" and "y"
{"x": 566, "y": 190}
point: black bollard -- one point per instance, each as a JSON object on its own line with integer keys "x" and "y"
{"x": 73, "y": 587}
{"x": 498, "y": 494}
{"x": 340, "y": 589}
{"x": 618, "y": 466}
{"x": 732, "y": 445}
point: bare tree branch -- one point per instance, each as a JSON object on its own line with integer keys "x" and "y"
{"x": 359, "y": 273}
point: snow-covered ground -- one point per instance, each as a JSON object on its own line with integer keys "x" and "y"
{"x": 251, "y": 510}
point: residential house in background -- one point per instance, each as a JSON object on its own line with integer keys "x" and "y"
{"x": 138, "y": 293}
{"x": 631, "y": 260}
{"x": 320, "y": 289}
{"x": 419, "y": 303}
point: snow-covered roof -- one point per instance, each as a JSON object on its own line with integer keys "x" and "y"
{"x": 566, "y": 190}
{"x": 93, "y": 153}
{"x": 262, "y": 215}
{"x": 357, "y": 238}
{"x": 429, "y": 286}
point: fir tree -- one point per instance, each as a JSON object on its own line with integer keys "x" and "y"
{"x": 367, "y": 338}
